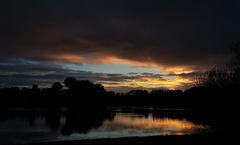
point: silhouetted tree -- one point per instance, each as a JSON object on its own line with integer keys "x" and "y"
{"x": 35, "y": 92}
{"x": 217, "y": 77}
{"x": 158, "y": 92}
{"x": 225, "y": 75}
{"x": 110, "y": 93}
{"x": 138, "y": 92}
{"x": 84, "y": 90}
{"x": 69, "y": 81}
{"x": 99, "y": 89}
{"x": 57, "y": 86}
{"x": 218, "y": 87}
{"x": 55, "y": 90}
{"x": 34, "y": 87}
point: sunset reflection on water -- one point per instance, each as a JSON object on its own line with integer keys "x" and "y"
{"x": 149, "y": 125}
{"x": 22, "y": 126}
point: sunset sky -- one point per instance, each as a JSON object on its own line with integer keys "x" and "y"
{"x": 121, "y": 44}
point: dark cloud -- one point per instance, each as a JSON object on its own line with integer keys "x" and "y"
{"x": 168, "y": 33}
{"x": 189, "y": 75}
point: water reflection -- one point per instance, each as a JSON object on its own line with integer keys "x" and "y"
{"x": 83, "y": 120}
{"x": 37, "y": 125}
{"x": 163, "y": 126}
{"x": 146, "y": 125}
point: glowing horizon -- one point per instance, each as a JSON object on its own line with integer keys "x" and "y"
{"x": 168, "y": 76}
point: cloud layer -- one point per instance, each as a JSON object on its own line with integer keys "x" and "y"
{"x": 170, "y": 36}
{"x": 45, "y": 74}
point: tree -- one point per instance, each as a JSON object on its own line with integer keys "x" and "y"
{"x": 55, "y": 90}
{"x": 217, "y": 77}
{"x": 225, "y": 75}
{"x": 138, "y": 92}
{"x": 57, "y": 86}
{"x": 83, "y": 90}
{"x": 69, "y": 81}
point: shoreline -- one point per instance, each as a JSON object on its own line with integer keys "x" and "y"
{"x": 206, "y": 139}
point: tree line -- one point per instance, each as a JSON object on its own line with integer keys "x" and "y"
{"x": 84, "y": 92}
{"x": 80, "y": 92}
{"x": 216, "y": 87}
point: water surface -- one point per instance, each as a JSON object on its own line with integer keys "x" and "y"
{"x": 41, "y": 125}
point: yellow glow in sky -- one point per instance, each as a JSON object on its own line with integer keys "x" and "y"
{"x": 164, "y": 81}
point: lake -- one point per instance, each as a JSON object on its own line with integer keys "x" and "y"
{"x": 19, "y": 125}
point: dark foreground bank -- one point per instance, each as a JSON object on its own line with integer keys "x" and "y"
{"x": 200, "y": 139}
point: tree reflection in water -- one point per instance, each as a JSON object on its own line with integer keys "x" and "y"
{"x": 122, "y": 121}
{"x": 84, "y": 119}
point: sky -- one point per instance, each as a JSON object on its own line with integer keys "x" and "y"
{"x": 121, "y": 44}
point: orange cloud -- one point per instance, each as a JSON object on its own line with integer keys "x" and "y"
{"x": 78, "y": 59}
{"x": 105, "y": 59}
{"x": 179, "y": 69}
{"x": 167, "y": 83}
{"x": 100, "y": 58}
{"x": 148, "y": 82}
{"x": 145, "y": 81}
